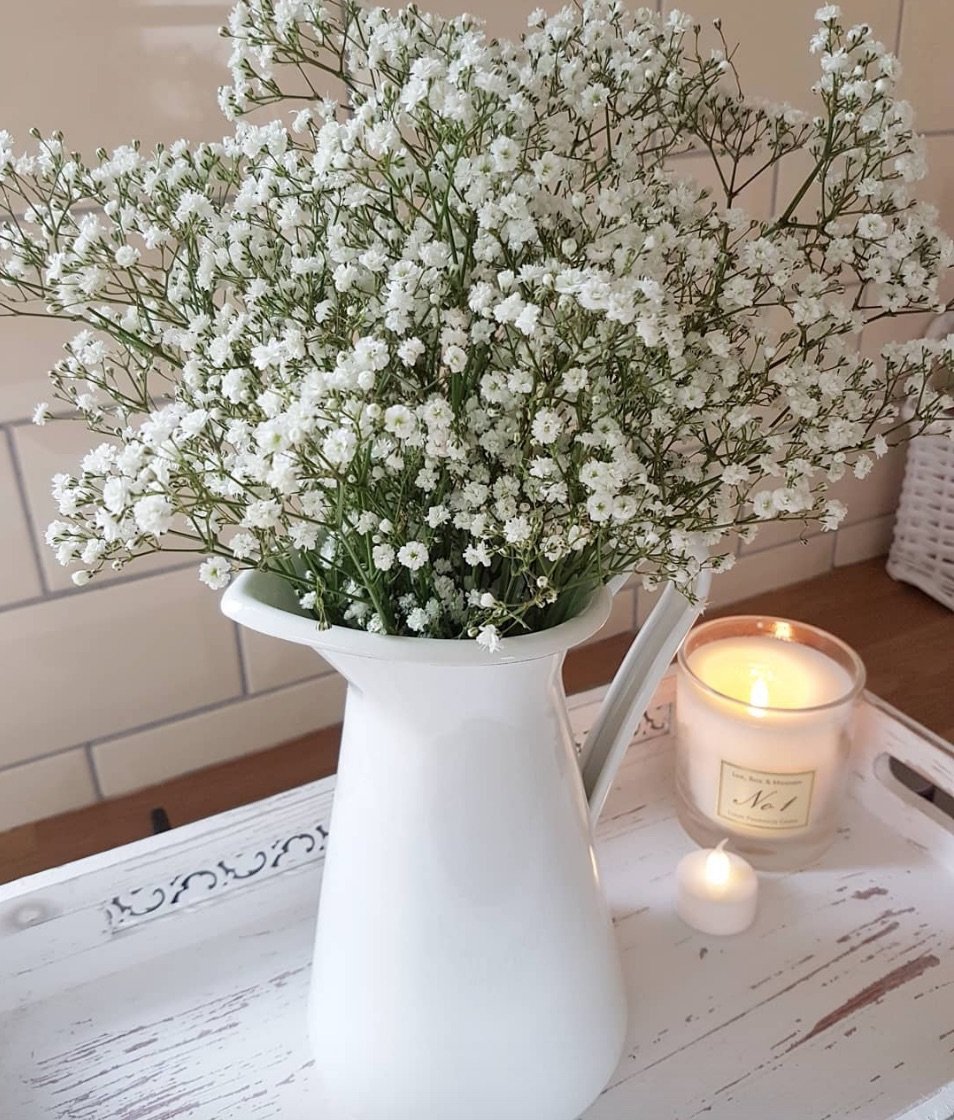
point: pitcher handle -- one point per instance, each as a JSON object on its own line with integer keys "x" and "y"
{"x": 635, "y": 682}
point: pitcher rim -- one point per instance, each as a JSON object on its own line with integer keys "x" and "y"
{"x": 264, "y": 602}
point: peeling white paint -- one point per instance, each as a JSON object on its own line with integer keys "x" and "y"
{"x": 838, "y": 1003}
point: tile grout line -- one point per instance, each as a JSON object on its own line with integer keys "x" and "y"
{"x": 153, "y": 725}
{"x": 91, "y": 762}
{"x": 28, "y": 518}
{"x": 773, "y": 203}
{"x": 58, "y": 594}
{"x": 898, "y": 29}
{"x": 5, "y": 769}
{"x": 205, "y": 709}
{"x": 242, "y": 663}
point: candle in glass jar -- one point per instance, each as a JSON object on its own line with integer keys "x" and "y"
{"x": 763, "y": 728}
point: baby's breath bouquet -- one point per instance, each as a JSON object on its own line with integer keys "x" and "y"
{"x": 451, "y": 352}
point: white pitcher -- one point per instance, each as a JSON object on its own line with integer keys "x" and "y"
{"x": 465, "y": 962}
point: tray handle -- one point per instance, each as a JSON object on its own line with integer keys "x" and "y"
{"x": 886, "y": 734}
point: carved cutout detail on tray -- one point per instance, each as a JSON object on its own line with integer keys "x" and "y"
{"x": 202, "y": 884}
{"x": 657, "y": 721}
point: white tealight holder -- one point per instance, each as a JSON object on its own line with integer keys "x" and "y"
{"x": 716, "y": 891}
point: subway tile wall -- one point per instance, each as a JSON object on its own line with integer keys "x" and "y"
{"x": 138, "y": 677}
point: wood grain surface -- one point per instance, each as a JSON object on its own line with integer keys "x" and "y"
{"x": 168, "y": 980}
{"x": 905, "y": 638}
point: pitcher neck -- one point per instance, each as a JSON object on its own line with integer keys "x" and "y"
{"x": 493, "y": 682}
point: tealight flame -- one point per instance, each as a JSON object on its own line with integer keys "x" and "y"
{"x": 759, "y": 696}
{"x": 718, "y": 866}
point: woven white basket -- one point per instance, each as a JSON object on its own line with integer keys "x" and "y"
{"x": 922, "y": 552}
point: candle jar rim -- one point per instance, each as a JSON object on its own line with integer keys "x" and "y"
{"x": 782, "y": 629}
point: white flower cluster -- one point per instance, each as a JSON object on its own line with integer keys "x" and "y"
{"x": 451, "y": 355}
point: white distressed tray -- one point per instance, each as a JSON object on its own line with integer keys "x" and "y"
{"x": 167, "y": 980}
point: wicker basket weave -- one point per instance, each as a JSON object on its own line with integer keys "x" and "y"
{"x": 922, "y": 551}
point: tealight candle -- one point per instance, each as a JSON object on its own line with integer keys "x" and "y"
{"x": 763, "y": 713}
{"x": 716, "y": 891}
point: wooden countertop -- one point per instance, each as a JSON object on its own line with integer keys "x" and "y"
{"x": 905, "y": 638}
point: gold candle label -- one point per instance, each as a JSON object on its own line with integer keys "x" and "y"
{"x": 762, "y": 799}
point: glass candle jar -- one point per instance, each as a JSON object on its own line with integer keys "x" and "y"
{"x": 764, "y": 718}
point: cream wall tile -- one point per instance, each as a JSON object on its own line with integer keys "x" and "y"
{"x": 927, "y": 45}
{"x": 875, "y": 495}
{"x": 775, "y": 533}
{"x": 272, "y": 663}
{"x": 622, "y": 616}
{"x": 29, "y": 348}
{"x": 152, "y": 756}
{"x": 776, "y": 567}
{"x": 19, "y": 578}
{"x": 645, "y": 602}
{"x": 45, "y": 787}
{"x": 864, "y": 541}
{"x": 45, "y": 451}
{"x": 102, "y": 661}
{"x": 756, "y": 199}
{"x": 938, "y": 187}
{"x": 112, "y": 71}
{"x": 902, "y": 328}
{"x": 773, "y": 59}
{"x": 793, "y": 170}
{"x": 504, "y": 20}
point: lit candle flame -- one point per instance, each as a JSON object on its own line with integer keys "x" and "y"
{"x": 759, "y": 696}
{"x": 718, "y": 866}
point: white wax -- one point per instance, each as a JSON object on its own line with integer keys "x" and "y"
{"x": 784, "y": 674}
{"x": 716, "y": 891}
{"x": 752, "y": 758}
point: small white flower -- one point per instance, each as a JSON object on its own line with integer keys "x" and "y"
{"x": 477, "y": 555}
{"x": 599, "y": 506}
{"x": 41, "y": 414}
{"x": 126, "y": 256}
{"x": 763, "y": 504}
{"x": 410, "y": 351}
{"x": 400, "y": 421}
{"x": 517, "y": 530}
{"x": 153, "y": 514}
{"x": 526, "y": 321}
{"x": 455, "y": 358}
{"x": 489, "y": 638}
{"x": 413, "y": 555}
{"x": 243, "y": 546}
{"x": 417, "y": 620}
{"x": 215, "y": 573}
{"x": 262, "y": 514}
{"x": 872, "y": 227}
{"x": 234, "y": 385}
{"x": 382, "y": 556}
{"x": 546, "y": 426}
{"x": 339, "y": 446}
{"x": 835, "y": 513}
